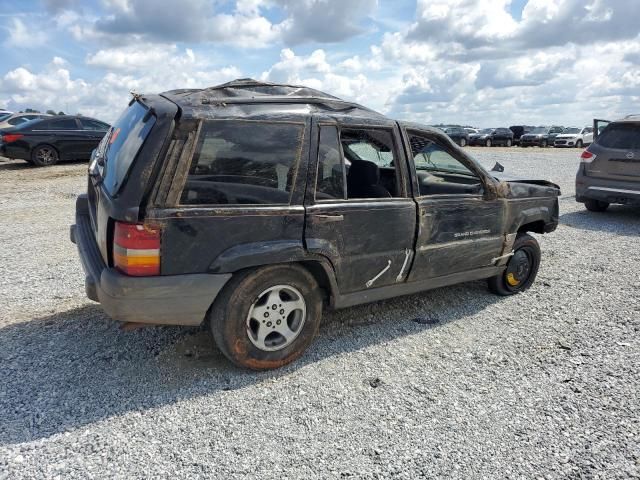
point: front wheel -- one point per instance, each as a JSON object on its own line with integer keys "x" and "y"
{"x": 463, "y": 142}
{"x": 521, "y": 270}
{"x": 509, "y": 142}
{"x": 579, "y": 144}
{"x": 488, "y": 142}
{"x": 544, "y": 144}
{"x": 268, "y": 317}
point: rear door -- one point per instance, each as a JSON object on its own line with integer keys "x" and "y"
{"x": 64, "y": 134}
{"x": 617, "y": 152}
{"x": 359, "y": 213}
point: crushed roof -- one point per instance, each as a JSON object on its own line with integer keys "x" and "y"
{"x": 248, "y": 90}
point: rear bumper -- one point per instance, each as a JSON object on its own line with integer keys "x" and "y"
{"x": 167, "y": 300}
{"x": 610, "y": 191}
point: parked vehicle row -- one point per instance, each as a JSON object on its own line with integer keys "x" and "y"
{"x": 522, "y": 135}
{"x": 43, "y": 140}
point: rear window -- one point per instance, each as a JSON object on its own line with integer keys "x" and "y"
{"x": 244, "y": 162}
{"x": 122, "y": 144}
{"x": 624, "y": 136}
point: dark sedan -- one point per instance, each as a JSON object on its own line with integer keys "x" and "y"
{"x": 45, "y": 142}
{"x": 458, "y": 134}
{"x": 490, "y": 137}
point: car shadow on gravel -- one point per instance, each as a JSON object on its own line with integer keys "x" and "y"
{"x": 9, "y": 165}
{"x": 617, "y": 219}
{"x": 71, "y": 369}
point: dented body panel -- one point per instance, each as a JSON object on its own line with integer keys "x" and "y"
{"x": 358, "y": 250}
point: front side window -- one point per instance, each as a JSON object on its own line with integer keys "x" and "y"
{"x": 438, "y": 171}
{"x": 94, "y": 125}
{"x": 244, "y": 162}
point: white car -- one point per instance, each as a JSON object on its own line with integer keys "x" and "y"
{"x": 574, "y": 137}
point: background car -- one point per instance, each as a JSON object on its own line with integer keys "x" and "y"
{"x": 16, "y": 119}
{"x": 471, "y": 130}
{"x": 458, "y": 135}
{"x": 5, "y": 114}
{"x": 540, "y": 136}
{"x": 574, "y": 137}
{"x": 609, "y": 170}
{"x": 490, "y": 137}
{"x": 46, "y": 141}
{"x": 518, "y": 131}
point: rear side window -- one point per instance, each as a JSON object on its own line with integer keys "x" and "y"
{"x": 123, "y": 142}
{"x": 244, "y": 162}
{"x": 68, "y": 124}
{"x": 624, "y": 136}
{"x": 331, "y": 176}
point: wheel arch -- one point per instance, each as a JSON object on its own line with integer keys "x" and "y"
{"x": 281, "y": 252}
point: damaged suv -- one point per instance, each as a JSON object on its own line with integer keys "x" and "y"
{"x": 253, "y": 206}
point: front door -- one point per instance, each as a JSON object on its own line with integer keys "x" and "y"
{"x": 460, "y": 225}
{"x": 358, "y": 212}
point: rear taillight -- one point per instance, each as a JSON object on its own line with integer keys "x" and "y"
{"x": 587, "y": 157}
{"x": 136, "y": 249}
{"x": 11, "y": 137}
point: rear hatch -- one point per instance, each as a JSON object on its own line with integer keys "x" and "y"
{"x": 616, "y": 153}
{"x": 122, "y": 167}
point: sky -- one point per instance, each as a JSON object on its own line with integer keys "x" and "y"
{"x": 486, "y": 63}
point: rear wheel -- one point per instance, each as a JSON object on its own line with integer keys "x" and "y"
{"x": 508, "y": 142}
{"x": 44, "y": 155}
{"x": 521, "y": 270}
{"x": 268, "y": 317}
{"x": 488, "y": 142}
{"x": 596, "y": 205}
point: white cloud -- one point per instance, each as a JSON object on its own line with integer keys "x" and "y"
{"x": 22, "y": 37}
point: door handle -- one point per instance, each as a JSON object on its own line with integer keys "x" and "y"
{"x": 328, "y": 218}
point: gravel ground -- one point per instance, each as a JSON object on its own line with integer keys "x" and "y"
{"x": 540, "y": 385}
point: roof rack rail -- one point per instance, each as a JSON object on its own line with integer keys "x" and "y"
{"x": 633, "y": 115}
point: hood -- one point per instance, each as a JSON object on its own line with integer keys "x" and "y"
{"x": 567, "y": 135}
{"x": 503, "y": 177}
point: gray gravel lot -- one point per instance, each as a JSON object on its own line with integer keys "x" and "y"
{"x": 541, "y": 385}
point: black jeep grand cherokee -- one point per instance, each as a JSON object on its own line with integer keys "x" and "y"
{"x": 253, "y": 206}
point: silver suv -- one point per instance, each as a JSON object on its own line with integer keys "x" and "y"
{"x": 610, "y": 168}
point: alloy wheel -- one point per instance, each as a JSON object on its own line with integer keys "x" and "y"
{"x": 276, "y": 318}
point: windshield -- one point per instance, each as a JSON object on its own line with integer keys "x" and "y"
{"x": 486, "y": 130}
{"x": 122, "y": 143}
{"x": 571, "y": 130}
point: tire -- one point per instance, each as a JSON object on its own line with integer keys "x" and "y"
{"x": 508, "y": 142}
{"x": 521, "y": 270}
{"x": 488, "y": 142}
{"x": 463, "y": 142}
{"x": 595, "y": 205}
{"x": 44, "y": 155}
{"x": 544, "y": 144}
{"x": 579, "y": 144}
{"x": 257, "y": 343}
